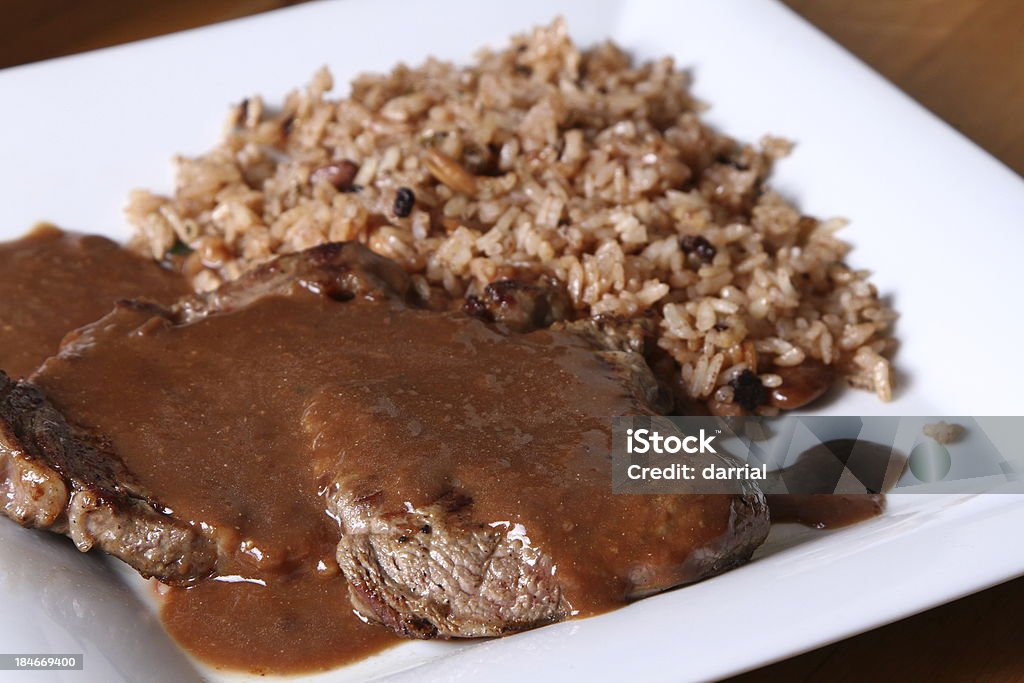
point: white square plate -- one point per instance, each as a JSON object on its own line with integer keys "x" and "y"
{"x": 937, "y": 219}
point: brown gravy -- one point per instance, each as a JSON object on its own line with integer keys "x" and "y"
{"x": 269, "y": 427}
{"x": 279, "y": 396}
{"x": 274, "y": 424}
{"x": 294, "y": 624}
{"x": 209, "y": 418}
{"x": 825, "y": 511}
{"x": 54, "y": 281}
{"x": 239, "y": 421}
{"x": 818, "y": 469}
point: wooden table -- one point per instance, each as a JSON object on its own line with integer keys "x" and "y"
{"x": 963, "y": 59}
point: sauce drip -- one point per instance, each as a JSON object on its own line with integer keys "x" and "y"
{"x": 825, "y": 511}
{"x": 816, "y": 472}
{"x": 294, "y": 624}
{"x": 55, "y": 281}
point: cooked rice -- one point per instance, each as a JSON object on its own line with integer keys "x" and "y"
{"x": 540, "y": 158}
{"x": 943, "y": 432}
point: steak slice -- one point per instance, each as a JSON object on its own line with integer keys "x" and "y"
{"x": 437, "y": 571}
{"x": 520, "y": 306}
{"x": 447, "y": 569}
{"x": 54, "y": 477}
{"x": 68, "y": 478}
{"x": 313, "y": 414}
{"x": 53, "y": 281}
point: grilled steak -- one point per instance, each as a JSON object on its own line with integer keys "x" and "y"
{"x": 54, "y": 477}
{"x": 518, "y": 305}
{"x": 314, "y": 412}
{"x": 68, "y": 478}
{"x": 438, "y": 571}
{"x": 54, "y": 281}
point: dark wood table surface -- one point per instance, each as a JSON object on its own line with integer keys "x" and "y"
{"x": 963, "y": 59}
